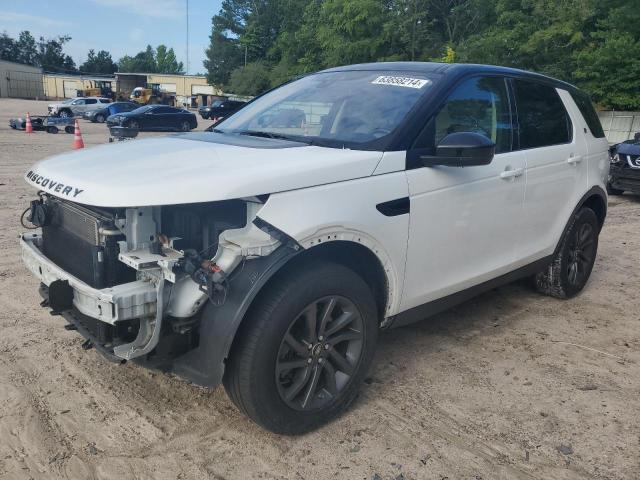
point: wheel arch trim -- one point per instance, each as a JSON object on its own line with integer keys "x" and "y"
{"x": 357, "y": 237}
{"x": 596, "y": 193}
{"x": 219, "y": 326}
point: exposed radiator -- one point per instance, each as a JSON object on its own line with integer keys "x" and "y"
{"x": 72, "y": 241}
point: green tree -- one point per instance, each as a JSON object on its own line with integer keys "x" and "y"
{"x": 225, "y": 52}
{"x": 592, "y": 43}
{"x": 250, "y": 80}
{"x": 150, "y": 60}
{"x": 51, "y": 56}
{"x": 8, "y": 48}
{"x": 166, "y": 61}
{"x": 100, "y": 63}
{"x": 28, "y": 49}
{"x": 609, "y": 65}
{"x": 352, "y": 31}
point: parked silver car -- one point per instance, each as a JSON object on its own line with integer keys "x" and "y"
{"x": 76, "y": 106}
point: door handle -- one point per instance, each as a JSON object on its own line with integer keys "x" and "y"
{"x": 511, "y": 173}
{"x": 574, "y": 160}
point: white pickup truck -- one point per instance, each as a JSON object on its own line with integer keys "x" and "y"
{"x": 267, "y": 254}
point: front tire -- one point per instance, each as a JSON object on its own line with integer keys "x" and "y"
{"x": 572, "y": 263}
{"x": 133, "y": 124}
{"x": 304, "y": 349}
{"x": 64, "y": 114}
{"x": 99, "y": 118}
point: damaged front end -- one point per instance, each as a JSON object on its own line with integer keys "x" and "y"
{"x": 135, "y": 281}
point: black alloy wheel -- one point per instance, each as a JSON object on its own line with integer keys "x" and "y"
{"x": 573, "y": 261}
{"x": 581, "y": 254}
{"x": 319, "y": 353}
{"x": 304, "y": 349}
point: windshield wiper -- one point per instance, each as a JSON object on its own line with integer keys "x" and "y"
{"x": 278, "y": 136}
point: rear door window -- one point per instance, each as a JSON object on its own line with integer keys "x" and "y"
{"x": 91, "y": 101}
{"x": 542, "y": 117}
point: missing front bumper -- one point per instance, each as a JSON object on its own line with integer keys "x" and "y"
{"x": 100, "y": 315}
{"x": 121, "y": 302}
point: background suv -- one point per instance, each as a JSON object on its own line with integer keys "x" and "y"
{"x": 220, "y": 108}
{"x": 100, "y": 114}
{"x": 77, "y": 106}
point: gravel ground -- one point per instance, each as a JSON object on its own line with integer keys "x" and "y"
{"x": 511, "y": 385}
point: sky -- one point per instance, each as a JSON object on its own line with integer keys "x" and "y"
{"x": 122, "y": 27}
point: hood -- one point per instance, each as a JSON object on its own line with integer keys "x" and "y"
{"x": 194, "y": 167}
{"x": 629, "y": 148}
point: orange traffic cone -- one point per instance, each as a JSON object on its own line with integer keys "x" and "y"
{"x": 28, "y": 127}
{"x": 77, "y": 137}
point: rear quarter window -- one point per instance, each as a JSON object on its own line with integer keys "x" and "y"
{"x": 542, "y": 118}
{"x": 588, "y": 112}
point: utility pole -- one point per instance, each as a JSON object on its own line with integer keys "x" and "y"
{"x": 187, "y": 37}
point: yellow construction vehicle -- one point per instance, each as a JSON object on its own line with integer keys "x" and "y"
{"x": 98, "y": 88}
{"x": 148, "y": 96}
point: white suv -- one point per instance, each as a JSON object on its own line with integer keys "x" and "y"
{"x": 268, "y": 253}
{"x": 76, "y": 106}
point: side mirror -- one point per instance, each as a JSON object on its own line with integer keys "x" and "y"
{"x": 462, "y": 149}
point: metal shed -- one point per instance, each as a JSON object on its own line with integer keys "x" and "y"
{"x": 18, "y": 80}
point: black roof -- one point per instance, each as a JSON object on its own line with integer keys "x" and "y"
{"x": 451, "y": 69}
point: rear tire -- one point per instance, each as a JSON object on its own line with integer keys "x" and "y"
{"x": 52, "y": 129}
{"x": 185, "y": 127}
{"x": 290, "y": 373}
{"x": 572, "y": 263}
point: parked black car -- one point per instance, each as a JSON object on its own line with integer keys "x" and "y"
{"x": 155, "y": 117}
{"x": 100, "y": 115}
{"x": 220, "y": 108}
{"x": 624, "y": 172}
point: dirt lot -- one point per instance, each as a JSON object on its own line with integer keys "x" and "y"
{"x": 511, "y": 385}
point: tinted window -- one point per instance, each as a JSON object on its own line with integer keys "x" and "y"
{"x": 105, "y": 100}
{"x": 542, "y": 117}
{"x": 479, "y": 105}
{"x": 164, "y": 110}
{"x": 589, "y": 113}
{"x": 91, "y": 101}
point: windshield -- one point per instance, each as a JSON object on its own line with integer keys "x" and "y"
{"x": 333, "y": 108}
